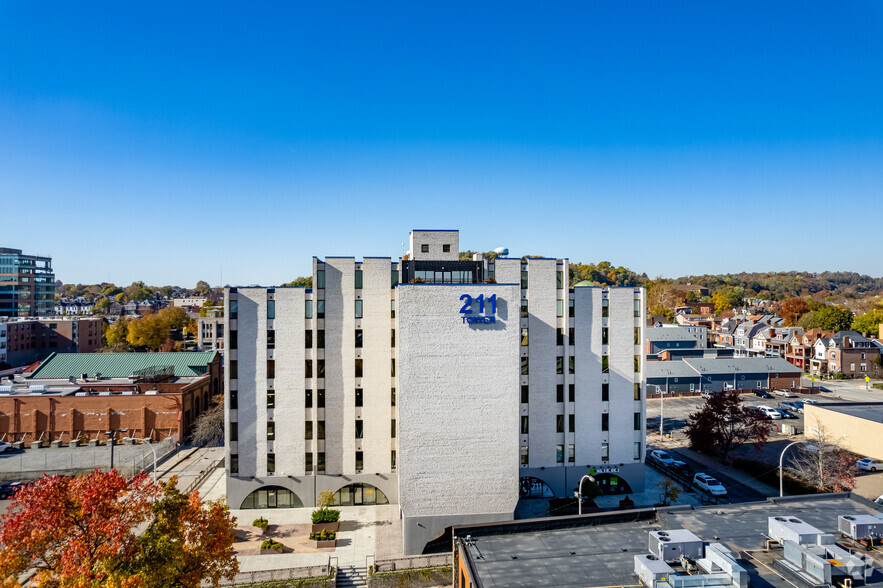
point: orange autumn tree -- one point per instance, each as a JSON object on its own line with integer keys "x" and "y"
{"x": 83, "y": 532}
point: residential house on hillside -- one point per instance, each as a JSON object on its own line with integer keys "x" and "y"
{"x": 775, "y": 340}
{"x": 673, "y": 337}
{"x": 848, "y": 353}
{"x": 800, "y": 347}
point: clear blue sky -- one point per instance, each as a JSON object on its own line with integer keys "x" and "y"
{"x": 172, "y": 141}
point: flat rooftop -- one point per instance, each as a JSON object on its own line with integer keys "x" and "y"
{"x": 871, "y": 411}
{"x": 593, "y": 553}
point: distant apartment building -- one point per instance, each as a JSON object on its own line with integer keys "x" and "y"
{"x": 27, "y": 284}
{"x": 449, "y": 387}
{"x": 209, "y": 333}
{"x": 194, "y": 302}
{"x": 30, "y": 340}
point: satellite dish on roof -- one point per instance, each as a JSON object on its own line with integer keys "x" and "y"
{"x": 501, "y": 251}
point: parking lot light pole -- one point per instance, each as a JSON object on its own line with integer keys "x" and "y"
{"x": 152, "y": 449}
{"x": 579, "y": 491}
{"x": 112, "y": 434}
{"x": 781, "y": 458}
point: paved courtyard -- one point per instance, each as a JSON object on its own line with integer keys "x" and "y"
{"x": 365, "y": 531}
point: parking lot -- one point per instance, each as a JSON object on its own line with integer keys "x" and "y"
{"x": 677, "y": 410}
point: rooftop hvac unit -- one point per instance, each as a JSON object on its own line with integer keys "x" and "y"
{"x": 793, "y": 529}
{"x": 860, "y": 527}
{"x": 652, "y": 570}
{"x": 37, "y": 388}
{"x": 6, "y": 389}
{"x": 671, "y": 544}
{"x": 152, "y": 392}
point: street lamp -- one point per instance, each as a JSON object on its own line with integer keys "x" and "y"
{"x": 112, "y": 434}
{"x": 781, "y": 457}
{"x": 579, "y": 491}
{"x": 152, "y": 449}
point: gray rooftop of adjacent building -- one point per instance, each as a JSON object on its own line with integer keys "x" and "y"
{"x": 669, "y": 334}
{"x": 668, "y": 369}
{"x": 871, "y": 411}
{"x": 751, "y": 365}
{"x": 603, "y": 554}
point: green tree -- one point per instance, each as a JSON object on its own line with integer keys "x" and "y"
{"x": 102, "y": 306}
{"x": 203, "y": 288}
{"x": 117, "y": 332}
{"x": 869, "y": 323}
{"x": 175, "y": 316}
{"x": 301, "y": 282}
{"x": 149, "y": 331}
{"x": 829, "y": 318}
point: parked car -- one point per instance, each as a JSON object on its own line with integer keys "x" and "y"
{"x": 810, "y": 401}
{"x": 709, "y": 484}
{"x": 9, "y": 489}
{"x": 793, "y": 405}
{"x": 707, "y": 394}
{"x": 4, "y": 446}
{"x": 682, "y": 468}
{"x": 879, "y": 500}
{"x": 661, "y": 457}
{"x": 786, "y": 414}
{"x": 785, "y": 392}
{"x": 763, "y": 394}
{"x": 869, "y": 465}
{"x": 769, "y": 412}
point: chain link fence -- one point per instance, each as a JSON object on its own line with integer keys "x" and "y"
{"x": 26, "y": 465}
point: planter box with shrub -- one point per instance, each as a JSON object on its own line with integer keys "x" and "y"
{"x": 326, "y": 519}
{"x": 261, "y": 525}
{"x": 324, "y": 539}
{"x": 269, "y": 547}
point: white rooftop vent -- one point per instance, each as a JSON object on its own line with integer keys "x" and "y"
{"x": 152, "y": 392}
{"x": 5, "y": 388}
{"x": 671, "y": 544}
{"x": 128, "y": 392}
{"x": 37, "y": 387}
{"x": 81, "y": 393}
{"x": 106, "y": 393}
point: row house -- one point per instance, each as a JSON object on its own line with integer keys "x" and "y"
{"x": 774, "y": 341}
{"x": 800, "y": 347}
{"x": 848, "y": 353}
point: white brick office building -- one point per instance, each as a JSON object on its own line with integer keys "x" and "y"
{"x": 445, "y": 386}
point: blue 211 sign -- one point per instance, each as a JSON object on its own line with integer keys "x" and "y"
{"x": 482, "y": 318}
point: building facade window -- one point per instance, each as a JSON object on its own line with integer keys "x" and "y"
{"x": 234, "y": 309}
{"x": 525, "y": 394}
{"x": 308, "y": 309}
{"x": 308, "y": 462}
{"x": 605, "y": 451}
{"x": 524, "y": 313}
{"x": 571, "y": 393}
{"x": 358, "y": 309}
{"x": 605, "y": 336}
{"x": 271, "y": 339}
{"x": 525, "y": 424}
{"x": 571, "y": 418}
{"x": 394, "y": 278}
{"x": 637, "y": 307}
{"x": 308, "y": 339}
{"x": 359, "y": 397}
{"x": 572, "y": 308}
{"x": 358, "y": 338}
{"x": 308, "y": 399}
{"x": 605, "y": 307}
{"x": 605, "y": 364}
{"x": 559, "y": 423}
{"x": 524, "y": 340}
{"x": 637, "y": 390}
{"x": 392, "y": 338}
{"x": 359, "y": 368}
{"x": 605, "y": 421}
{"x": 637, "y": 451}
{"x": 605, "y": 392}
{"x": 308, "y": 430}
{"x": 637, "y": 421}
{"x": 234, "y": 399}
{"x": 392, "y": 428}
{"x": 392, "y": 396}
{"x": 320, "y": 339}
{"x": 524, "y": 455}
{"x": 360, "y": 428}
{"x": 559, "y": 280}
{"x": 559, "y": 365}
{"x": 320, "y": 461}
{"x": 571, "y": 453}
{"x": 271, "y": 309}
{"x": 271, "y": 431}
{"x": 559, "y": 453}
{"x": 392, "y": 459}
{"x": 358, "y": 279}
{"x": 525, "y": 366}
{"x": 360, "y": 460}
{"x": 234, "y": 431}
{"x": 320, "y": 398}
{"x": 524, "y": 279}
{"x": 271, "y": 463}
{"x": 559, "y": 339}
{"x": 271, "y": 399}
{"x": 271, "y": 369}
{"x": 559, "y": 308}
{"x": 571, "y": 364}
{"x": 320, "y": 309}
{"x": 234, "y": 464}
{"x": 559, "y": 393}
{"x": 320, "y": 279}
{"x": 320, "y": 429}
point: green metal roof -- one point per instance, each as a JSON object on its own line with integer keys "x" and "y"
{"x": 122, "y": 365}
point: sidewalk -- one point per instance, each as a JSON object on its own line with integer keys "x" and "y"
{"x": 738, "y": 475}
